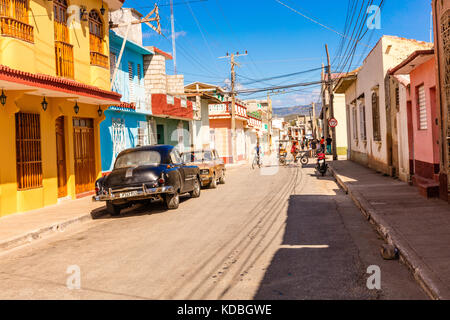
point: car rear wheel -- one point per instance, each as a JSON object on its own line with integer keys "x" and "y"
{"x": 113, "y": 209}
{"x": 213, "y": 183}
{"x": 222, "y": 178}
{"x": 196, "y": 192}
{"x": 172, "y": 200}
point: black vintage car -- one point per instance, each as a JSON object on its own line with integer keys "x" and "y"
{"x": 147, "y": 173}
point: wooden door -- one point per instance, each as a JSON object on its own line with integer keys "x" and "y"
{"x": 160, "y": 133}
{"x": 84, "y": 155}
{"x": 61, "y": 157}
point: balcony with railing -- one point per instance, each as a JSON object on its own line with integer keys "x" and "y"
{"x": 14, "y": 28}
{"x": 64, "y": 59}
{"x": 97, "y": 57}
{"x": 224, "y": 109}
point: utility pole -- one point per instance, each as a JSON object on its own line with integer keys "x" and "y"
{"x": 331, "y": 96}
{"x": 174, "y": 49}
{"x": 233, "y": 100}
{"x": 314, "y": 120}
{"x": 270, "y": 111}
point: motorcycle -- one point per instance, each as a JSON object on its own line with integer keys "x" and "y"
{"x": 321, "y": 166}
{"x": 302, "y": 157}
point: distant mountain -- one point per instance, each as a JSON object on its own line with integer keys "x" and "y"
{"x": 302, "y": 110}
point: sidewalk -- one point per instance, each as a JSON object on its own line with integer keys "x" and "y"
{"x": 21, "y": 228}
{"x": 418, "y": 227}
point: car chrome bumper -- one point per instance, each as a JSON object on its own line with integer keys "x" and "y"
{"x": 132, "y": 193}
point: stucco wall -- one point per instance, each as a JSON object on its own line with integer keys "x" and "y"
{"x": 426, "y": 148}
{"x": 39, "y": 57}
{"x": 387, "y": 53}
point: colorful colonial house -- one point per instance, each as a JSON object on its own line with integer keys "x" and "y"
{"x": 202, "y": 95}
{"x": 248, "y": 131}
{"x": 441, "y": 20}
{"x": 369, "y": 117}
{"x": 125, "y": 125}
{"x": 172, "y": 114}
{"x": 422, "y": 113}
{"x": 54, "y": 82}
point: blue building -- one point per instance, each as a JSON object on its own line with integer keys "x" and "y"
{"x": 125, "y": 125}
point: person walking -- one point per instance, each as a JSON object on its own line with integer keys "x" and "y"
{"x": 294, "y": 149}
{"x": 322, "y": 144}
{"x": 313, "y": 147}
{"x": 329, "y": 141}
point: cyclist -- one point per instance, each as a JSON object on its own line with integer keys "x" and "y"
{"x": 258, "y": 152}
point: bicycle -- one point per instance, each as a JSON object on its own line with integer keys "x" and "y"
{"x": 256, "y": 161}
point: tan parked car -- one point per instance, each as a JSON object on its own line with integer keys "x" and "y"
{"x": 212, "y": 168}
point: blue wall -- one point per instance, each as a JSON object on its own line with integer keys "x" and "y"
{"x": 131, "y": 121}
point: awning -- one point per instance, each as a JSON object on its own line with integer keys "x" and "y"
{"x": 55, "y": 87}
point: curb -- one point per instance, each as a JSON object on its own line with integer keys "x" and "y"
{"x": 421, "y": 272}
{"x": 34, "y": 235}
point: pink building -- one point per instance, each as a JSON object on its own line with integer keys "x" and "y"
{"x": 423, "y": 125}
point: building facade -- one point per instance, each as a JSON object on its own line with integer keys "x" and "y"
{"x": 54, "y": 79}
{"x": 422, "y": 115}
{"x": 202, "y": 95}
{"x": 369, "y": 110}
{"x": 125, "y": 125}
{"x": 441, "y": 19}
{"x": 172, "y": 114}
{"x": 248, "y": 131}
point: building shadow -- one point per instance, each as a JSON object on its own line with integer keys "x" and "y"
{"x": 317, "y": 258}
{"x": 138, "y": 209}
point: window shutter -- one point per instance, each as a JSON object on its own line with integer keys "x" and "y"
{"x": 421, "y": 102}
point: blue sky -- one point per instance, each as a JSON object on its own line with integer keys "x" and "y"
{"x": 278, "y": 40}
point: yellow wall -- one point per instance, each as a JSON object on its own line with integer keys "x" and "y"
{"x": 39, "y": 57}
{"x": 12, "y": 200}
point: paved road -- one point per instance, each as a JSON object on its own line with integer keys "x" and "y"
{"x": 284, "y": 236}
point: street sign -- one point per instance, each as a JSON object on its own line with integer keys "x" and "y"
{"x": 333, "y": 123}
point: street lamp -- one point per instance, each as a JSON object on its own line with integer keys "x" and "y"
{"x": 44, "y": 104}
{"x": 76, "y": 108}
{"x": 99, "y": 111}
{"x": 3, "y": 98}
{"x": 102, "y": 10}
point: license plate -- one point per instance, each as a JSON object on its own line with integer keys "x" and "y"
{"x": 128, "y": 194}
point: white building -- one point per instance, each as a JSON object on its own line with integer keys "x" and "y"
{"x": 367, "y": 101}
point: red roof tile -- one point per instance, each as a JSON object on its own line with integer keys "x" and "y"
{"x": 55, "y": 83}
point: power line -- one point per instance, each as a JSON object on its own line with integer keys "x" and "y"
{"x": 303, "y": 84}
{"x": 311, "y": 19}
{"x": 280, "y": 76}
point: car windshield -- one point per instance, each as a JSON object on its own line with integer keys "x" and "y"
{"x": 197, "y": 156}
{"x": 192, "y": 156}
{"x": 138, "y": 158}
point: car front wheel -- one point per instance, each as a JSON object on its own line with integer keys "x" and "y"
{"x": 172, "y": 200}
{"x": 195, "y": 193}
{"x": 222, "y": 178}
{"x": 213, "y": 183}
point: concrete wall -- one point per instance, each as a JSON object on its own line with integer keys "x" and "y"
{"x": 124, "y": 16}
{"x": 155, "y": 74}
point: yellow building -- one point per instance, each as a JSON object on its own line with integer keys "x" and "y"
{"x": 55, "y": 84}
